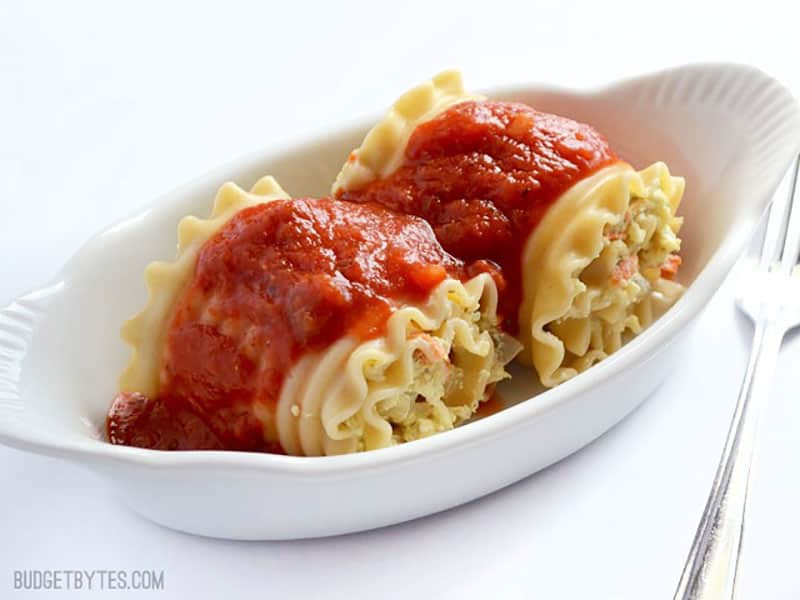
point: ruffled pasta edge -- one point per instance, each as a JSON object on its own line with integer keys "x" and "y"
{"x": 381, "y": 152}
{"x": 331, "y": 402}
{"x": 146, "y": 331}
{"x": 567, "y": 240}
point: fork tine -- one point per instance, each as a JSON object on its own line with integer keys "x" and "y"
{"x": 778, "y": 223}
{"x": 790, "y": 255}
{"x": 771, "y": 243}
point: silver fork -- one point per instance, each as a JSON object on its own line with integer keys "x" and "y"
{"x": 770, "y": 296}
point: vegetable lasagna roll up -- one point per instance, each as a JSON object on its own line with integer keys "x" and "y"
{"x": 307, "y": 327}
{"x": 587, "y": 245}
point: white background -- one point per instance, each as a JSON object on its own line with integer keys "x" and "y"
{"x": 104, "y": 106}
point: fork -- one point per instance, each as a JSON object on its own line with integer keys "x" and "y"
{"x": 770, "y": 296}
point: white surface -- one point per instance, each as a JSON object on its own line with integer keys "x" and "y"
{"x": 61, "y": 398}
{"x": 103, "y": 109}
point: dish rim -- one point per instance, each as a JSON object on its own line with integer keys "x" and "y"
{"x": 661, "y": 332}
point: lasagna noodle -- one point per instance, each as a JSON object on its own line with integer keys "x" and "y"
{"x": 592, "y": 268}
{"x": 146, "y": 331}
{"x": 383, "y": 148}
{"x": 570, "y": 316}
{"x": 436, "y": 363}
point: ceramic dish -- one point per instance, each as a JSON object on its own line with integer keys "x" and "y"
{"x": 730, "y": 130}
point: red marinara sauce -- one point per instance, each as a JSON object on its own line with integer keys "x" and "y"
{"x": 277, "y": 281}
{"x": 483, "y": 174}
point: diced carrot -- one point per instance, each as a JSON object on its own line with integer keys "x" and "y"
{"x": 618, "y": 235}
{"x": 432, "y": 351}
{"x": 670, "y": 267}
{"x": 625, "y": 269}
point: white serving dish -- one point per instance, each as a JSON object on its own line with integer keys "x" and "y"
{"x": 729, "y": 129}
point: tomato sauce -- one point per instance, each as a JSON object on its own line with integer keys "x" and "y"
{"x": 483, "y": 174}
{"x": 493, "y": 404}
{"x": 277, "y": 281}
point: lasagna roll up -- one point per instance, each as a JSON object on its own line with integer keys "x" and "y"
{"x": 307, "y": 327}
{"x": 586, "y": 244}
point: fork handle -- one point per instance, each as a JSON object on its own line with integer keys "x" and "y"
{"x": 711, "y": 567}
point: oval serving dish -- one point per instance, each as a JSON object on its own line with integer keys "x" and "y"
{"x": 729, "y": 130}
